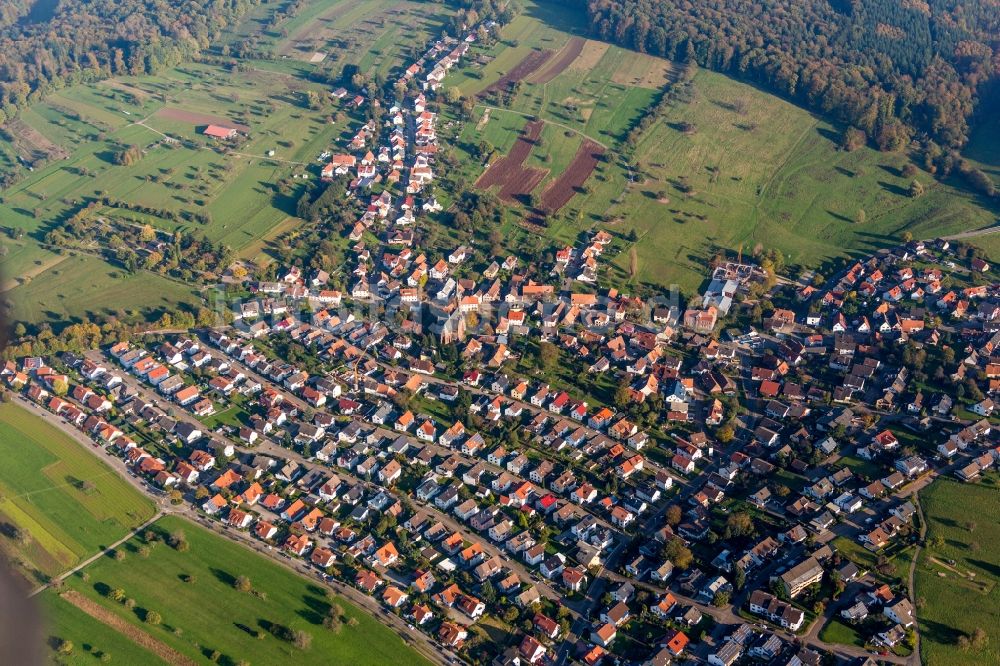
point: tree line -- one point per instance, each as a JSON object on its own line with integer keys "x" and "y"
{"x": 88, "y": 40}
{"x": 895, "y": 71}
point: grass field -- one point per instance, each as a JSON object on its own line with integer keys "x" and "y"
{"x": 836, "y": 631}
{"x": 755, "y": 170}
{"x": 990, "y": 244}
{"x": 82, "y": 287}
{"x": 209, "y": 614}
{"x": 91, "y": 638}
{"x": 89, "y": 123}
{"x": 68, "y": 502}
{"x": 967, "y": 595}
{"x": 237, "y": 190}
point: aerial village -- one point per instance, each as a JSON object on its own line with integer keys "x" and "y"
{"x": 616, "y": 480}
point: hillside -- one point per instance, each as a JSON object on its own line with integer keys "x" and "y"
{"x": 889, "y": 68}
{"x": 79, "y": 40}
{"x": 720, "y": 165}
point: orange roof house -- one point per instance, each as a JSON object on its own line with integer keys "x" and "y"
{"x": 676, "y": 641}
{"x": 387, "y": 554}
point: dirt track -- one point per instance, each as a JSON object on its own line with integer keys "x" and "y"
{"x": 133, "y": 633}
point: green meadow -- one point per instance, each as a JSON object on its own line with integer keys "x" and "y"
{"x": 208, "y": 614}
{"x": 955, "y": 600}
{"x": 726, "y": 167}
{"x": 60, "y": 504}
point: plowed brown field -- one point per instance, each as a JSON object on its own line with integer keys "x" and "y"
{"x": 563, "y": 188}
{"x": 522, "y": 70}
{"x": 563, "y": 59}
{"x": 515, "y": 180}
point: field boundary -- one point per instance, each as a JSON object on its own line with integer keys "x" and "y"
{"x": 558, "y": 63}
{"x": 515, "y": 179}
{"x": 554, "y": 123}
{"x": 126, "y": 629}
{"x": 522, "y": 71}
{"x": 561, "y": 190}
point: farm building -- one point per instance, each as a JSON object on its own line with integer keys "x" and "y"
{"x": 219, "y": 132}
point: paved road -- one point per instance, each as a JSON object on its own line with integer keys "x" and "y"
{"x": 971, "y": 234}
{"x": 94, "y": 557}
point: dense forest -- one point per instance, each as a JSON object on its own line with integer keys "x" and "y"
{"x": 893, "y": 68}
{"x": 86, "y": 40}
{"x": 12, "y": 11}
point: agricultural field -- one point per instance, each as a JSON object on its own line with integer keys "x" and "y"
{"x": 249, "y": 198}
{"x": 326, "y": 35}
{"x": 727, "y": 166}
{"x": 238, "y": 190}
{"x": 192, "y": 627}
{"x": 953, "y": 600}
{"x": 60, "y": 504}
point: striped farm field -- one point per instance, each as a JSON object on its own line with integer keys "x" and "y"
{"x": 60, "y": 503}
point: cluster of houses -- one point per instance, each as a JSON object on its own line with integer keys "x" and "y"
{"x": 316, "y": 461}
{"x": 400, "y": 152}
{"x": 442, "y": 55}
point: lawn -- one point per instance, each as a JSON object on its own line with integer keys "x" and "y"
{"x": 855, "y": 552}
{"x": 210, "y": 614}
{"x": 837, "y": 632}
{"x": 68, "y": 502}
{"x": 865, "y": 468}
{"x": 958, "y": 599}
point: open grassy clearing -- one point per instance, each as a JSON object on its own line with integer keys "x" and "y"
{"x": 375, "y": 35}
{"x": 990, "y": 243}
{"x": 83, "y": 286}
{"x": 967, "y": 595}
{"x": 25, "y": 260}
{"x": 67, "y": 502}
{"x": 984, "y": 147}
{"x": 237, "y": 190}
{"x": 759, "y": 170}
{"x": 583, "y": 98}
{"x": 194, "y": 607}
{"x": 90, "y": 638}
{"x": 179, "y": 176}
